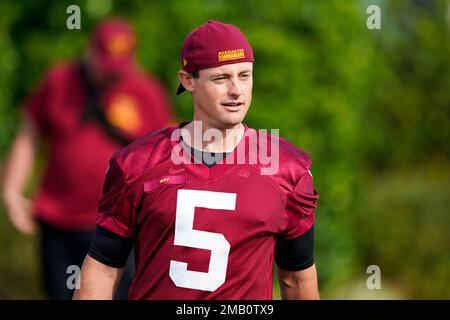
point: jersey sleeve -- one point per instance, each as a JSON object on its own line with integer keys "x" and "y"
{"x": 116, "y": 209}
{"x": 295, "y": 254}
{"x": 36, "y": 105}
{"x": 300, "y": 207}
{"x": 109, "y": 248}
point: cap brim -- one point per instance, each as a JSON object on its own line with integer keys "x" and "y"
{"x": 180, "y": 89}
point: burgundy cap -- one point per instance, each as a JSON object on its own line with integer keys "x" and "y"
{"x": 214, "y": 44}
{"x": 112, "y": 46}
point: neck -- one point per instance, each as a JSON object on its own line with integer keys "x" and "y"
{"x": 206, "y": 137}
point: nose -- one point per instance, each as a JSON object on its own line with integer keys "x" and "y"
{"x": 234, "y": 89}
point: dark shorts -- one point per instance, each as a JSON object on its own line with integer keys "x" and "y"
{"x": 61, "y": 249}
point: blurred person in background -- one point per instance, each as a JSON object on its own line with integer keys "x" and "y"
{"x": 84, "y": 111}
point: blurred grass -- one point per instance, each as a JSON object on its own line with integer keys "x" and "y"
{"x": 19, "y": 264}
{"x": 406, "y": 213}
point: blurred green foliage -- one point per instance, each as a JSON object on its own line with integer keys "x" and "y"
{"x": 370, "y": 106}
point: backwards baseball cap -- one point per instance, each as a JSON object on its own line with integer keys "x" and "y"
{"x": 214, "y": 44}
{"x": 112, "y": 46}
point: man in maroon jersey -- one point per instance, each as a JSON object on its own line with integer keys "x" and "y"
{"x": 208, "y": 216}
{"x": 84, "y": 111}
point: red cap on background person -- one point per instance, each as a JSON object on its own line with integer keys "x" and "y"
{"x": 112, "y": 46}
{"x": 214, "y": 44}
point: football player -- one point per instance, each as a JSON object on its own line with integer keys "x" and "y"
{"x": 206, "y": 219}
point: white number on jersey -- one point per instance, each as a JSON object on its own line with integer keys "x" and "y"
{"x": 185, "y": 235}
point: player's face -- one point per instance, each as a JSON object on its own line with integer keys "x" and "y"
{"x": 222, "y": 95}
{"x": 99, "y": 76}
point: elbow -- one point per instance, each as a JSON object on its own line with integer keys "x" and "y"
{"x": 299, "y": 285}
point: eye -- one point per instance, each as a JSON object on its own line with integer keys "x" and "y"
{"x": 219, "y": 78}
{"x": 245, "y": 75}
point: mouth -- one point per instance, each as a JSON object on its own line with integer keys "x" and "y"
{"x": 233, "y": 106}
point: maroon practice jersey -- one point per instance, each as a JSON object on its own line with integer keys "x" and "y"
{"x": 205, "y": 233}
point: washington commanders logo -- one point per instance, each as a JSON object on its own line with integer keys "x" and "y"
{"x": 231, "y": 55}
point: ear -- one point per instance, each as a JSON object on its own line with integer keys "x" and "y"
{"x": 186, "y": 80}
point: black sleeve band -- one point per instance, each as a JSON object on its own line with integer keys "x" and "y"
{"x": 110, "y": 248}
{"x": 295, "y": 254}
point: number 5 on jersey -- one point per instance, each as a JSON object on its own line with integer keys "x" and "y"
{"x": 185, "y": 235}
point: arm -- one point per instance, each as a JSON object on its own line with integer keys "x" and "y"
{"x": 298, "y": 285}
{"x": 17, "y": 172}
{"x": 97, "y": 281}
{"x": 104, "y": 265}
